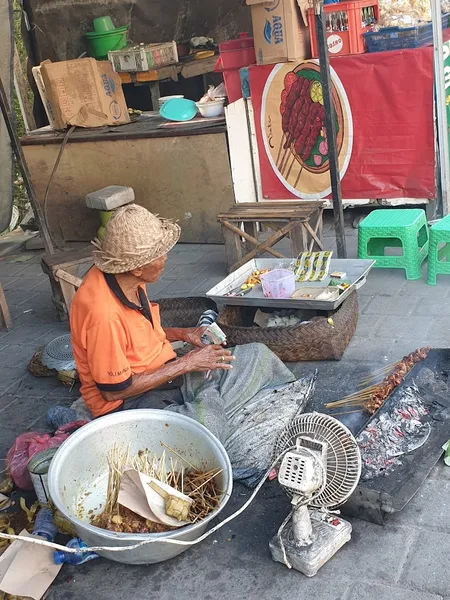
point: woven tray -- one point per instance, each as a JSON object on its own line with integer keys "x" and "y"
{"x": 316, "y": 340}
{"x": 183, "y": 312}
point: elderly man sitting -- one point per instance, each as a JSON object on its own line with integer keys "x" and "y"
{"x": 124, "y": 356}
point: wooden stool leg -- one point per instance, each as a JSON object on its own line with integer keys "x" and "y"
{"x": 251, "y": 229}
{"x": 299, "y": 240}
{"x": 233, "y": 246}
{"x": 58, "y": 299}
{"x": 5, "y": 317}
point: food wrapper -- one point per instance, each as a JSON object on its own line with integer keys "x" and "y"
{"x": 312, "y": 266}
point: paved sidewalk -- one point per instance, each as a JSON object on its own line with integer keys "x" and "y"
{"x": 405, "y": 560}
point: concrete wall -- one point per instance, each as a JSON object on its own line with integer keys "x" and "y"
{"x": 58, "y": 25}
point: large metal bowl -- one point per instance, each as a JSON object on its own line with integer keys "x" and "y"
{"x": 78, "y": 475}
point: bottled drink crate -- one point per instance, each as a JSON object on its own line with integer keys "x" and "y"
{"x": 346, "y": 22}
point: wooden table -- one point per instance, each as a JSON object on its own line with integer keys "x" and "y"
{"x": 301, "y": 221}
{"x": 154, "y": 77}
{"x": 178, "y": 170}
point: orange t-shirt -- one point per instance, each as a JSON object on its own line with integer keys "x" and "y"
{"x": 111, "y": 340}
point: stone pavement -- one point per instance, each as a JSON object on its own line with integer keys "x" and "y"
{"x": 405, "y": 560}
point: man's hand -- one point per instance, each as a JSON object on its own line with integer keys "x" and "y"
{"x": 194, "y": 336}
{"x": 209, "y": 358}
{"x": 191, "y": 335}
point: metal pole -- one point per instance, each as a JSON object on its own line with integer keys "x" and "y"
{"x": 17, "y": 148}
{"x": 441, "y": 111}
{"x": 330, "y": 126}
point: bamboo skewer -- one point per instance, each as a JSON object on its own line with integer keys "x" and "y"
{"x": 290, "y": 168}
{"x": 179, "y": 456}
{"x": 283, "y": 141}
{"x": 379, "y": 374}
{"x": 298, "y": 176}
{"x": 284, "y": 159}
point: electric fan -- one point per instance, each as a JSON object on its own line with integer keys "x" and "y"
{"x": 320, "y": 468}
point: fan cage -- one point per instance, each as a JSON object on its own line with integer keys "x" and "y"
{"x": 343, "y": 460}
{"x": 58, "y": 354}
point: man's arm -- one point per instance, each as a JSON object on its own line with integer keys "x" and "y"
{"x": 206, "y": 359}
{"x": 190, "y": 335}
{"x": 179, "y": 334}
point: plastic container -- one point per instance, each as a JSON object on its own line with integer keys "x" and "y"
{"x": 279, "y": 283}
{"x": 164, "y": 99}
{"x": 102, "y": 43}
{"x": 178, "y": 109}
{"x": 349, "y": 15}
{"x": 211, "y": 109}
{"x": 38, "y": 467}
{"x": 103, "y": 24}
{"x": 397, "y": 38}
{"x": 234, "y": 55}
{"x": 44, "y": 525}
{"x": 61, "y": 557}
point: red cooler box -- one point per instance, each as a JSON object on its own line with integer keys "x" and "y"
{"x": 234, "y": 55}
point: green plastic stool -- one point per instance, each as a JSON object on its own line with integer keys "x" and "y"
{"x": 439, "y": 258}
{"x": 401, "y": 228}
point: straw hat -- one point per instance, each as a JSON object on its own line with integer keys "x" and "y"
{"x": 134, "y": 237}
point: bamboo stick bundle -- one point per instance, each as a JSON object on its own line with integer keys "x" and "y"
{"x": 200, "y": 486}
{"x": 371, "y": 398}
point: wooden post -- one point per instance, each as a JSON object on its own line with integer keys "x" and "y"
{"x": 20, "y": 85}
{"x": 17, "y": 149}
{"x": 330, "y": 126}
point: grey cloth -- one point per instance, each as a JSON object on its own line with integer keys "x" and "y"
{"x": 154, "y": 399}
{"x": 247, "y": 407}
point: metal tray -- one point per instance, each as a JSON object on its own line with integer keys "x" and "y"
{"x": 355, "y": 269}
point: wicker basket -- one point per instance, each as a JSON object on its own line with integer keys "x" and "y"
{"x": 183, "y": 312}
{"x": 316, "y": 340}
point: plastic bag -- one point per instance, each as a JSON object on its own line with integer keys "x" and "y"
{"x": 213, "y": 93}
{"x": 31, "y": 443}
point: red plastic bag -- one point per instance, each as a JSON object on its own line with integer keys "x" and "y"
{"x": 31, "y": 443}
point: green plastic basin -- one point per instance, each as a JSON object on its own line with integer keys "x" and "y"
{"x": 102, "y": 43}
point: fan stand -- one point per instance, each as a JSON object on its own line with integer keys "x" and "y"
{"x": 329, "y": 534}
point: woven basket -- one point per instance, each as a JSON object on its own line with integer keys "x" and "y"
{"x": 183, "y": 312}
{"x": 316, "y": 340}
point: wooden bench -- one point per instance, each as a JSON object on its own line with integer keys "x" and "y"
{"x": 301, "y": 221}
{"x": 63, "y": 270}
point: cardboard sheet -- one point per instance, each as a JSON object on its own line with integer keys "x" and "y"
{"x": 27, "y": 570}
{"x": 136, "y": 494}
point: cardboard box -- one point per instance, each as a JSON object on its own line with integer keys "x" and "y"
{"x": 280, "y": 30}
{"x": 82, "y": 92}
{"x": 41, "y": 89}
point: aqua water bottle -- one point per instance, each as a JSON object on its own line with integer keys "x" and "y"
{"x": 61, "y": 557}
{"x": 44, "y": 525}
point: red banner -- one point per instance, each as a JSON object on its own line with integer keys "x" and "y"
{"x": 384, "y": 120}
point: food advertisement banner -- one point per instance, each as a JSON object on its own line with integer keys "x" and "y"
{"x": 383, "y": 110}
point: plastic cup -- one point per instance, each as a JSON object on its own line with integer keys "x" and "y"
{"x": 103, "y": 24}
{"x": 279, "y": 283}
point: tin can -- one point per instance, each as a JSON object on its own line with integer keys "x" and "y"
{"x": 38, "y": 467}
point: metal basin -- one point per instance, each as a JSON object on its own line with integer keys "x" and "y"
{"x": 78, "y": 475}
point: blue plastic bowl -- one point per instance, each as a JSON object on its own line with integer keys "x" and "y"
{"x": 178, "y": 109}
